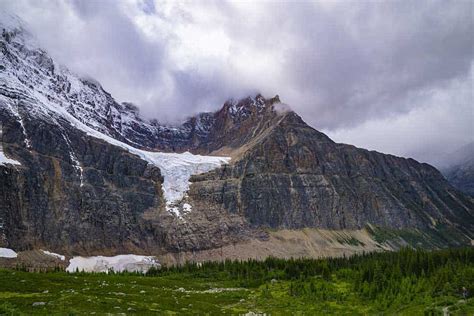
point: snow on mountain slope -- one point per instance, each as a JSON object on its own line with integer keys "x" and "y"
{"x": 131, "y": 263}
{"x": 51, "y": 92}
{"x": 54, "y": 255}
{"x": 26, "y": 67}
{"x": 176, "y": 168}
{"x": 7, "y": 253}
{"x": 5, "y": 160}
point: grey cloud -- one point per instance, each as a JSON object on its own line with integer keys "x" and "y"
{"x": 205, "y": 91}
{"x": 355, "y": 62}
{"x": 441, "y": 123}
{"x": 148, "y": 6}
{"x": 118, "y": 48}
{"x": 340, "y": 65}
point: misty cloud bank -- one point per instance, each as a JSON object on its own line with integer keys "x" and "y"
{"x": 392, "y": 76}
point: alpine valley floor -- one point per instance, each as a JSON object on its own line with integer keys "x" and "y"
{"x": 407, "y": 282}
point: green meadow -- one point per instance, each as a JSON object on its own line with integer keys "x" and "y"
{"x": 407, "y": 282}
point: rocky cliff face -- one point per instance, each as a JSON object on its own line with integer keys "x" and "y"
{"x": 294, "y": 176}
{"x": 78, "y": 194}
{"x": 85, "y": 185}
{"x": 72, "y": 191}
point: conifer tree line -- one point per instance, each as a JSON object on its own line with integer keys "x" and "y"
{"x": 387, "y": 278}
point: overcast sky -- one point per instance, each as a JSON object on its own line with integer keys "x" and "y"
{"x": 394, "y": 76}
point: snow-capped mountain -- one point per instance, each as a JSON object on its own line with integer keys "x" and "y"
{"x": 29, "y": 71}
{"x": 84, "y": 174}
{"x": 54, "y": 93}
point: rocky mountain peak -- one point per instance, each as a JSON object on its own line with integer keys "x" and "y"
{"x": 239, "y": 110}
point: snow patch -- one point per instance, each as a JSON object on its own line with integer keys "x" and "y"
{"x": 176, "y": 170}
{"x": 131, "y": 263}
{"x": 5, "y": 160}
{"x": 16, "y": 113}
{"x": 7, "y": 253}
{"x": 75, "y": 161}
{"x": 187, "y": 207}
{"x": 52, "y": 254}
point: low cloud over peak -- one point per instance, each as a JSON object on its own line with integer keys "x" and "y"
{"x": 398, "y": 69}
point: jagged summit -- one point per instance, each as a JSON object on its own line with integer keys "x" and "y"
{"x": 258, "y": 103}
{"x": 29, "y": 71}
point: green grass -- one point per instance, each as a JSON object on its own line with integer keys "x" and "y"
{"x": 408, "y": 282}
{"x": 70, "y": 294}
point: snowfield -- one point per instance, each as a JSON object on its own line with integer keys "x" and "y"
{"x": 176, "y": 170}
{"x": 7, "y": 253}
{"x": 131, "y": 263}
{"x": 55, "y": 255}
{"x": 5, "y": 160}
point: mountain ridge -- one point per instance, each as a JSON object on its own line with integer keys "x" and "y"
{"x": 93, "y": 175}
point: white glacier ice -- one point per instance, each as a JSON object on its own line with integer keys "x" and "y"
{"x": 131, "y": 263}
{"x": 7, "y": 253}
